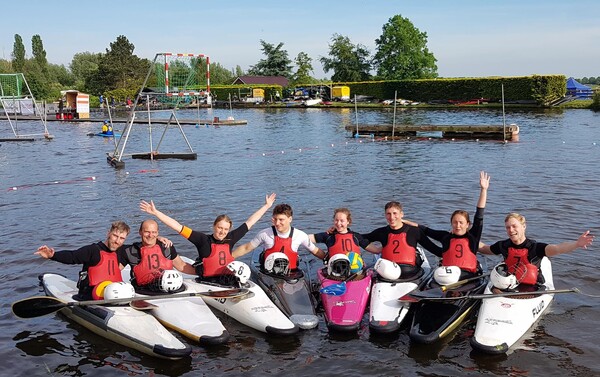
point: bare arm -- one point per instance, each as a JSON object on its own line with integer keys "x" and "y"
{"x": 312, "y": 239}
{"x": 485, "y": 249}
{"x": 583, "y": 241}
{"x": 269, "y": 200}
{"x": 317, "y": 252}
{"x": 484, "y": 183}
{"x": 373, "y": 248}
{"x": 45, "y": 252}
{"x": 168, "y": 221}
{"x": 242, "y": 250}
{"x": 183, "y": 266}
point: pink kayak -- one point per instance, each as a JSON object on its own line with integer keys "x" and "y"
{"x": 344, "y": 312}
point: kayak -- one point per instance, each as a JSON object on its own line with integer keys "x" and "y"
{"x": 189, "y": 316}
{"x": 121, "y": 324}
{"x": 434, "y": 320}
{"x": 254, "y": 310}
{"x": 345, "y": 312}
{"x": 291, "y": 294}
{"x": 386, "y": 313}
{"x": 103, "y": 135}
{"x": 502, "y": 321}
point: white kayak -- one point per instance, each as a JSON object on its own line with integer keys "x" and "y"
{"x": 121, "y": 324}
{"x": 502, "y": 321}
{"x": 189, "y": 316}
{"x": 254, "y": 310}
{"x": 386, "y": 312}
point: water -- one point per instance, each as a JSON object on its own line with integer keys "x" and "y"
{"x": 551, "y": 175}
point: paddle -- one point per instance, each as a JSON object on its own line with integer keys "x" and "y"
{"x": 416, "y": 296}
{"x": 437, "y": 292}
{"x": 339, "y": 288}
{"x": 41, "y": 305}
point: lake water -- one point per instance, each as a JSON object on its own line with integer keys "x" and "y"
{"x": 551, "y": 175}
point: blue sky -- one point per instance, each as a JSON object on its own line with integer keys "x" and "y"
{"x": 468, "y": 38}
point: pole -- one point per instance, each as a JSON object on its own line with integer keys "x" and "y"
{"x": 503, "y": 116}
{"x": 356, "y": 115}
{"x": 394, "y": 118}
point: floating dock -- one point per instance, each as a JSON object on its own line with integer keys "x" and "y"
{"x": 210, "y": 122}
{"x": 402, "y": 131}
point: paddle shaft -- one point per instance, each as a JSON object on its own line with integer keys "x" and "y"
{"x": 444, "y": 288}
{"x": 412, "y": 297}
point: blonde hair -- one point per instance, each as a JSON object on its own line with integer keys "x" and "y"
{"x": 223, "y": 217}
{"x": 345, "y": 211}
{"x": 513, "y": 215}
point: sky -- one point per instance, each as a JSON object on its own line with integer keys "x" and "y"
{"x": 468, "y": 38}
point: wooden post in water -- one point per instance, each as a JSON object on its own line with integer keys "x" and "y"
{"x": 503, "y": 116}
{"x": 394, "y": 118}
{"x": 356, "y": 115}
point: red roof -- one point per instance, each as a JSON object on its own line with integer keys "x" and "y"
{"x": 265, "y": 80}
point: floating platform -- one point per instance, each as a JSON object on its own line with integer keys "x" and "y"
{"x": 164, "y": 156}
{"x": 495, "y": 132}
{"x": 193, "y": 122}
{"x": 27, "y": 138}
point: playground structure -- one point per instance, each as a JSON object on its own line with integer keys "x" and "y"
{"x": 17, "y": 100}
{"x": 179, "y": 79}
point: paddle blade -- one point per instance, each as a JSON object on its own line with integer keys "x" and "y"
{"x": 142, "y": 305}
{"x": 228, "y": 293}
{"x": 408, "y": 298}
{"x": 334, "y": 289}
{"x": 37, "y": 306}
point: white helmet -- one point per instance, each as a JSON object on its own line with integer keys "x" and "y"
{"x": 445, "y": 275}
{"x": 338, "y": 265}
{"x": 502, "y": 279}
{"x": 277, "y": 263}
{"x": 388, "y": 269}
{"x": 119, "y": 290}
{"x": 170, "y": 281}
{"x": 241, "y": 270}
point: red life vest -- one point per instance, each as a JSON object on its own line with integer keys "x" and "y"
{"x": 459, "y": 254}
{"x": 152, "y": 263}
{"x": 284, "y": 245}
{"x": 106, "y": 269}
{"x": 398, "y": 250}
{"x": 216, "y": 263}
{"x": 518, "y": 257}
{"x": 344, "y": 243}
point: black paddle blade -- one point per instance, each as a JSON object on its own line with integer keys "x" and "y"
{"x": 37, "y": 306}
{"x": 229, "y": 293}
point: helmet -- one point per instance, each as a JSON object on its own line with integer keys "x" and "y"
{"x": 356, "y": 262}
{"x": 445, "y": 275}
{"x": 241, "y": 270}
{"x": 277, "y": 263}
{"x": 502, "y": 279}
{"x": 388, "y": 269}
{"x": 170, "y": 281}
{"x": 339, "y": 266}
{"x": 119, "y": 290}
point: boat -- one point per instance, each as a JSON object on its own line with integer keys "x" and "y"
{"x": 189, "y": 316}
{"x": 103, "y": 135}
{"x": 434, "y": 320}
{"x": 345, "y": 312}
{"x": 386, "y": 312}
{"x": 502, "y": 321}
{"x": 312, "y": 102}
{"x": 255, "y": 310}
{"x": 120, "y": 323}
{"x": 291, "y": 293}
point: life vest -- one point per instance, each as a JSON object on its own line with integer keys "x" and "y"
{"x": 216, "y": 263}
{"x": 283, "y": 245}
{"x": 106, "y": 270}
{"x": 344, "y": 243}
{"x": 152, "y": 263}
{"x": 518, "y": 257}
{"x": 459, "y": 254}
{"x": 398, "y": 250}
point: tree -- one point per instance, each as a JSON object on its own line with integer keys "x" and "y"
{"x": 5, "y": 66}
{"x": 402, "y": 52}
{"x": 220, "y": 75}
{"x": 83, "y": 66}
{"x": 347, "y": 61}
{"x": 39, "y": 54}
{"x": 304, "y": 64}
{"x": 239, "y": 71}
{"x": 18, "y": 54}
{"x": 277, "y": 62}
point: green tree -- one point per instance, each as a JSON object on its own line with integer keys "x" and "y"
{"x": 59, "y": 74}
{"x": 5, "y": 66}
{"x": 39, "y": 54}
{"x": 304, "y": 68}
{"x": 277, "y": 62}
{"x": 238, "y": 71}
{"x": 402, "y": 52}
{"x": 219, "y": 75}
{"x": 18, "y": 54}
{"x": 37, "y": 79}
{"x": 84, "y": 66}
{"x": 119, "y": 68}
{"x": 348, "y": 62}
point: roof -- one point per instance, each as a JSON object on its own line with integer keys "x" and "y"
{"x": 574, "y": 84}
{"x": 265, "y": 80}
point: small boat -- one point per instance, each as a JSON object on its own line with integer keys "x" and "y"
{"x": 255, "y": 310}
{"x": 312, "y": 102}
{"x": 121, "y": 324}
{"x": 189, "y": 316}
{"x": 502, "y": 321}
{"x": 434, "y": 320}
{"x": 345, "y": 312}
{"x": 104, "y": 135}
{"x": 291, "y": 293}
{"x": 386, "y": 312}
